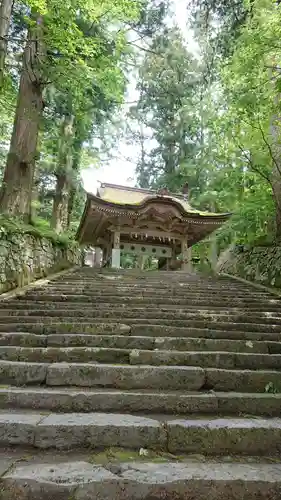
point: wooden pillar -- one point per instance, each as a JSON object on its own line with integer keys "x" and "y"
{"x": 97, "y": 261}
{"x": 105, "y": 255}
{"x": 140, "y": 262}
{"x": 115, "y": 261}
{"x": 187, "y": 256}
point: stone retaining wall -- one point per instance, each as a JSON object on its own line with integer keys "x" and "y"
{"x": 25, "y": 258}
{"x": 258, "y": 264}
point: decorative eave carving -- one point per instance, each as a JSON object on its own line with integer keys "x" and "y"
{"x": 156, "y": 207}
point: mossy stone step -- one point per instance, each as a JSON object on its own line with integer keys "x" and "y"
{"x": 208, "y": 436}
{"x": 82, "y": 299}
{"x": 138, "y": 342}
{"x": 204, "y": 359}
{"x": 225, "y": 436}
{"x": 135, "y": 329}
{"x": 74, "y": 430}
{"x": 174, "y": 310}
{"x": 93, "y": 323}
{"x": 73, "y": 399}
{"x": 142, "y": 312}
{"x": 103, "y": 375}
{"x": 81, "y": 480}
{"x": 160, "y": 293}
{"x": 127, "y": 377}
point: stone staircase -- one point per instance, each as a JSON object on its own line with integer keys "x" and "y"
{"x": 129, "y": 386}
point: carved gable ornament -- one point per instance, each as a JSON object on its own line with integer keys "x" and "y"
{"x": 164, "y": 191}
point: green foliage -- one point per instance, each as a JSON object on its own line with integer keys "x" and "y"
{"x": 81, "y": 56}
{"x": 270, "y": 388}
{"x": 167, "y": 86}
{"x": 216, "y": 122}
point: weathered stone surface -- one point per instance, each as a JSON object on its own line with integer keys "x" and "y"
{"x": 79, "y": 400}
{"x": 258, "y": 264}
{"x": 75, "y": 400}
{"x": 25, "y": 257}
{"x": 99, "y": 430}
{"x": 22, "y": 373}
{"x": 183, "y": 334}
{"x": 252, "y": 404}
{"x": 56, "y": 481}
{"x": 218, "y": 436}
{"x": 194, "y": 301}
{"x": 111, "y": 341}
{"x": 205, "y": 344}
{"x": 78, "y": 327}
{"x": 23, "y": 339}
{"x": 18, "y": 429}
{"x": 224, "y": 360}
{"x": 203, "y": 359}
{"x": 144, "y": 481}
{"x": 241, "y": 380}
{"x": 274, "y": 347}
{"x": 64, "y": 354}
{"x": 126, "y": 377}
{"x": 161, "y": 330}
{"x": 258, "y": 361}
{"x": 262, "y": 321}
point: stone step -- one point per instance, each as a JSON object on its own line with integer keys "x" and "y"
{"x": 195, "y": 310}
{"x": 161, "y": 292}
{"x": 74, "y": 430}
{"x": 208, "y": 436}
{"x": 104, "y": 375}
{"x": 188, "y": 378}
{"x": 36, "y": 327}
{"x": 20, "y": 323}
{"x": 218, "y": 332}
{"x": 165, "y": 277}
{"x": 204, "y": 359}
{"x": 201, "y": 344}
{"x": 223, "y": 436}
{"x": 135, "y": 329}
{"x": 158, "y": 283}
{"x": 168, "y": 283}
{"x": 144, "y": 313}
{"x": 138, "y": 342}
{"x": 81, "y": 299}
{"x": 81, "y": 480}
{"x": 73, "y": 399}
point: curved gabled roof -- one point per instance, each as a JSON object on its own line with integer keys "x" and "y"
{"x": 134, "y": 198}
{"x": 112, "y": 202}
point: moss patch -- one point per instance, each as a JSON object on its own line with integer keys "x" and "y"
{"x": 30, "y": 252}
{"x": 11, "y": 226}
{"x": 121, "y": 455}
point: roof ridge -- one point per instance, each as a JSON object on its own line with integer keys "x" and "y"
{"x": 139, "y": 190}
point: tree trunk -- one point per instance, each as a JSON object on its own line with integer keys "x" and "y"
{"x": 71, "y": 200}
{"x": 60, "y": 215}
{"x": 275, "y": 152}
{"x": 276, "y": 191}
{"x": 16, "y": 190}
{"x": 34, "y": 201}
{"x": 5, "y": 16}
{"x": 59, "y": 220}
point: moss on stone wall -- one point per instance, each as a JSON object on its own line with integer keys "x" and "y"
{"x": 28, "y": 253}
{"x": 260, "y": 264}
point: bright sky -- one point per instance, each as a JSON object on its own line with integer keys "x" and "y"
{"x": 120, "y": 171}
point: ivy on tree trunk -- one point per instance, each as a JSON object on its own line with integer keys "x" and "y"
{"x": 6, "y": 7}
{"x": 60, "y": 215}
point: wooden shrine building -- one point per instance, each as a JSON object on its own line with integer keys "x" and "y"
{"x": 144, "y": 222}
